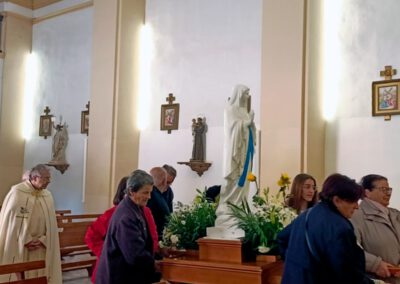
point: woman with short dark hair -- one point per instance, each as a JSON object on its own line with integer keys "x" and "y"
{"x": 319, "y": 246}
{"x": 127, "y": 255}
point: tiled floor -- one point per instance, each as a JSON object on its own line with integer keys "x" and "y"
{"x": 76, "y": 277}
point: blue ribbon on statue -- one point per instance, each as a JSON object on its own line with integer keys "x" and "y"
{"x": 249, "y": 157}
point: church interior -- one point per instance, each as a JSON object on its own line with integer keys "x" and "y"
{"x": 105, "y": 69}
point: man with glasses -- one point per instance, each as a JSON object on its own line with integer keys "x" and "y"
{"x": 377, "y": 228}
{"x": 29, "y": 228}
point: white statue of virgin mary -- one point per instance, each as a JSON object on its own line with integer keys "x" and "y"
{"x": 239, "y": 142}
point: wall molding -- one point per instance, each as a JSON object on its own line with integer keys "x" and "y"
{"x": 42, "y": 3}
{"x": 32, "y": 4}
{"x": 23, "y": 3}
{"x": 63, "y": 11}
{"x": 16, "y": 15}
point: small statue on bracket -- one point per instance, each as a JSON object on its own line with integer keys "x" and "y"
{"x": 198, "y": 131}
{"x": 60, "y": 142}
{"x": 197, "y": 163}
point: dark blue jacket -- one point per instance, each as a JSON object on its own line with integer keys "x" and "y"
{"x": 168, "y": 195}
{"x": 160, "y": 210}
{"x": 127, "y": 255}
{"x": 336, "y": 257}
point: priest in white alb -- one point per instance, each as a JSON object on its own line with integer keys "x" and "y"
{"x": 29, "y": 228}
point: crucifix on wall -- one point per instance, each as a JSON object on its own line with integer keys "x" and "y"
{"x": 386, "y": 94}
{"x": 169, "y": 115}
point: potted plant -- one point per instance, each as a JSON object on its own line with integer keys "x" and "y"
{"x": 265, "y": 218}
{"x": 188, "y": 223}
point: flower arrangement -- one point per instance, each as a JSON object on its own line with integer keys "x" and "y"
{"x": 267, "y": 216}
{"x": 188, "y": 223}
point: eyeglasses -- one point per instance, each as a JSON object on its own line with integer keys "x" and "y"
{"x": 45, "y": 178}
{"x": 386, "y": 190}
{"x": 308, "y": 186}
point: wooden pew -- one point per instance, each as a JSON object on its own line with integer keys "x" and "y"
{"x": 76, "y": 218}
{"x": 21, "y": 268}
{"x": 62, "y": 212}
{"x": 75, "y": 254}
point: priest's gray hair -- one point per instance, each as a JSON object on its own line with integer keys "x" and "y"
{"x": 137, "y": 180}
{"x": 38, "y": 170}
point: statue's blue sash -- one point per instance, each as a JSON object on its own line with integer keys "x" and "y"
{"x": 249, "y": 159}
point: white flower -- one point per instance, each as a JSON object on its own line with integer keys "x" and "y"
{"x": 183, "y": 222}
{"x": 161, "y": 244}
{"x": 263, "y": 249}
{"x": 174, "y": 239}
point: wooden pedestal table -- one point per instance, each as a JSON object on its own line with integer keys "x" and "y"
{"x": 206, "y": 268}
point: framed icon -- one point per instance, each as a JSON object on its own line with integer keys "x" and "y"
{"x": 385, "y": 97}
{"x": 45, "y": 125}
{"x": 169, "y": 117}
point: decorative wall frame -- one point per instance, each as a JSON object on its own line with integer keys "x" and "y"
{"x": 386, "y": 97}
{"x": 169, "y": 115}
{"x": 46, "y": 123}
{"x": 85, "y": 120}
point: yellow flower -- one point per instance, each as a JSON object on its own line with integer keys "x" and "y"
{"x": 284, "y": 180}
{"x": 251, "y": 177}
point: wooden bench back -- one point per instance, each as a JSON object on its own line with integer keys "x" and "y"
{"x": 76, "y": 218}
{"x": 73, "y": 233}
{"x": 22, "y": 267}
{"x": 63, "y": 212}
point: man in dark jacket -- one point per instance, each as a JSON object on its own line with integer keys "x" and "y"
{"x": 157, "y": 204}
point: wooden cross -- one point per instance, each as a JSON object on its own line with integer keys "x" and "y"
{"x": 388, "y": 72}
{"x": 47, "y": 110}
{"x": 170, "y": 98}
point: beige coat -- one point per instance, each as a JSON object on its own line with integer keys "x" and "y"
{"x": 379, "y": 237}
{"x": 16, "y": 228}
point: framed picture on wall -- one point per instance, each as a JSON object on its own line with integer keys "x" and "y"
{"x": 45, "y": 125}
{"x": 85, "y": 122}
{"x": 386, "y": 97}
{"x": 169, "y": 117}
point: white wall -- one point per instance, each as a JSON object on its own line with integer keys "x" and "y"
{"x": 359, "y": 144}
{"x": 203, "y": 48}
{"x": 63, "y": 48}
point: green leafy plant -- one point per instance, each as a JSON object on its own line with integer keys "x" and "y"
{"x": 262, "y": 221}
{"x": 188, "y": 223}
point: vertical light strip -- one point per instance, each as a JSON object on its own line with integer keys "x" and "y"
{"x": 303, "y": 87}
{"x": 331, "y": 56}
{"x": 31, "y": 71}
{"x": 145, "y": 58}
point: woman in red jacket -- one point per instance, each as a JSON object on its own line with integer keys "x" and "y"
{"x": 96, "y": 233}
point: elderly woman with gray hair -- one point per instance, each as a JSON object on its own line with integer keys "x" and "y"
{"x": 127, "y": 255}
